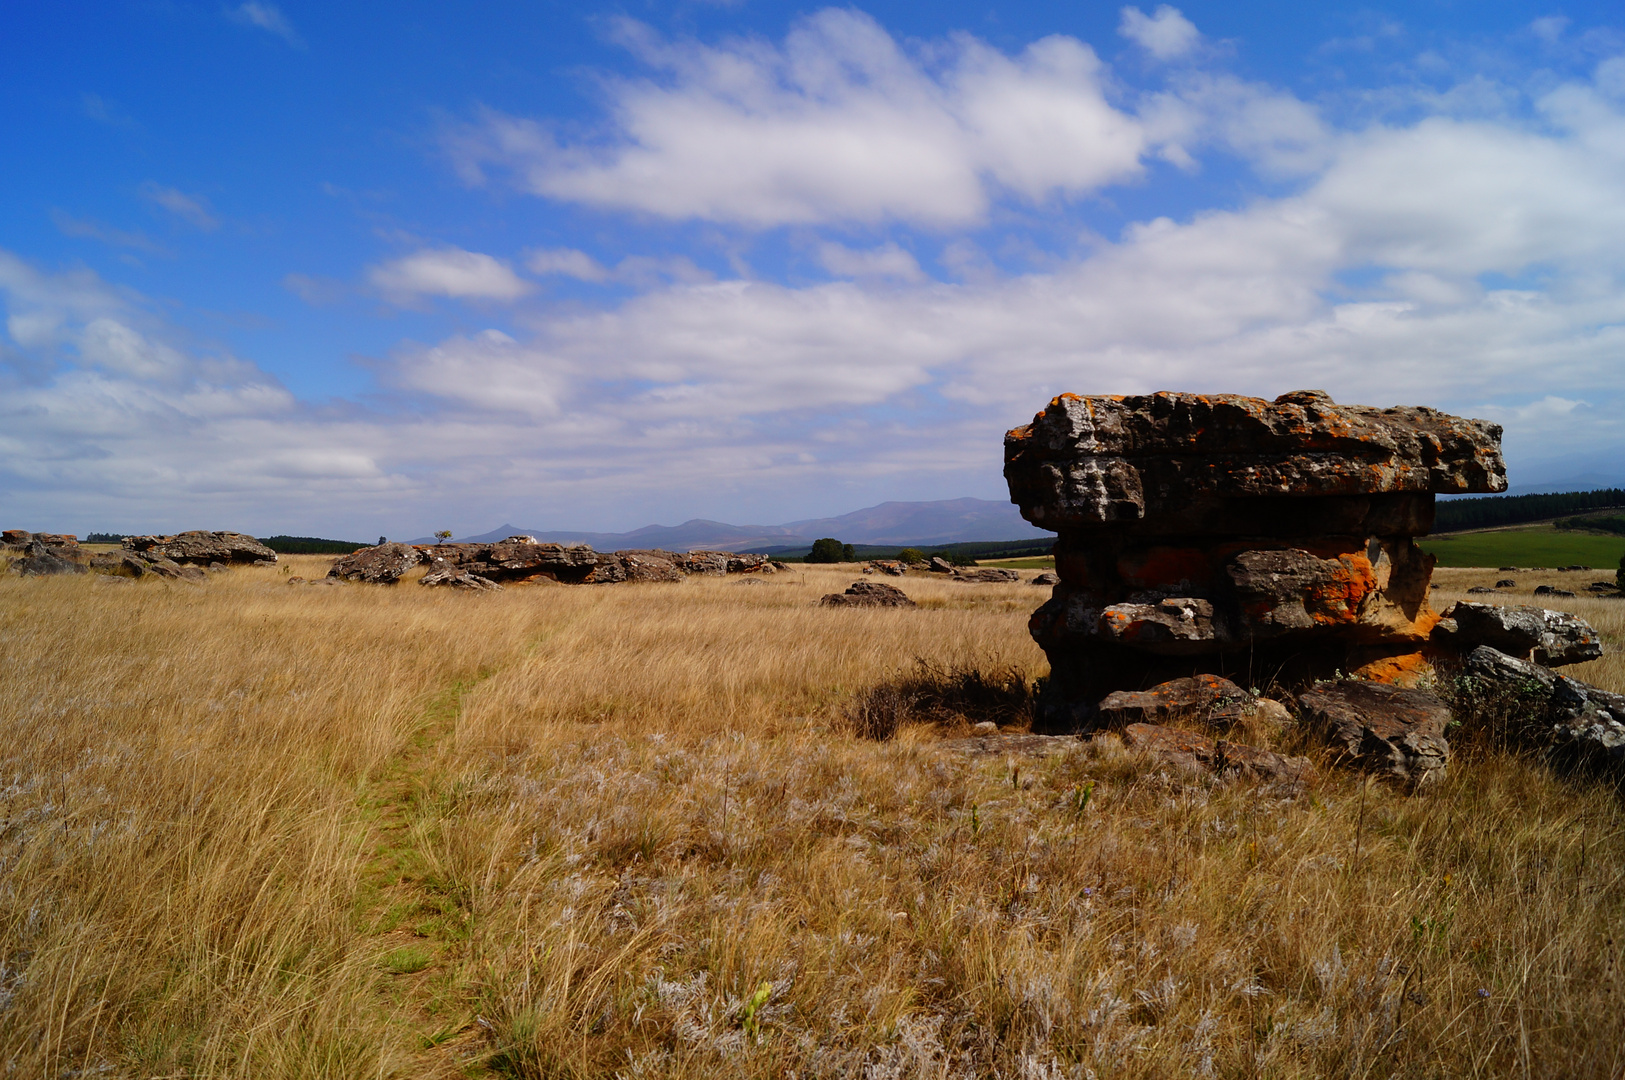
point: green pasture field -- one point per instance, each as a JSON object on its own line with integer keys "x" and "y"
{"x": 1038, "y": 562}
{"x": 1539, "y": 545}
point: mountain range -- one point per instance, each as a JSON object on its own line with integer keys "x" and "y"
{"x": 904, "y": 524}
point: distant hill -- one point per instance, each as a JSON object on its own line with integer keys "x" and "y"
{"x": 915, "y": 524}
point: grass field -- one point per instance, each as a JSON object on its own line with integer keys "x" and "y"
{"x": 1037, "y": 562}
{"x": 253, "y": 829}
{"x": 1527, "y": 545}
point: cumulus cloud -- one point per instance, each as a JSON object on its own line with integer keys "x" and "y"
{"x": 450, "y": 272}
{"x": 267, "y": 17}
{"x": 841, "y": 123}
{"x": 1166, "y": 35}
{"x": 192, "y": 209}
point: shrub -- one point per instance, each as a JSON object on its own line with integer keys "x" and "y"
{"x": 826, "y": 549}
{"x": 915, "y": 555}
{"x": 934, "y": 693}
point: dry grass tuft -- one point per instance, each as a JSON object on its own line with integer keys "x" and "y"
{"x": 256, "y": 830}
{"x": 947, "y": 696}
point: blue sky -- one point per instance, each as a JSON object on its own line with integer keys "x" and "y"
{"x": 361, "y": 270}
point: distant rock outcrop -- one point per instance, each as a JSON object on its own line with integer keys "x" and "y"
{"x": 523, "y": 559}
{"x": 201, "y": 548}
{"x": 869, "y": 594}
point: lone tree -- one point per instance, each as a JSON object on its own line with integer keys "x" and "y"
{"x": 911, "y": 556}
{"x": 827, "y": 549}
{"x": 443, "y": 535}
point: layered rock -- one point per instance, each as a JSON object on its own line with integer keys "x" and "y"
{"x": 1390, "y": 730}
{"x": 1551, "y": 638}
{"x": 1236, "y": 536}
{"x": 201, "y": 548}
{"x": 1556, "y": 713}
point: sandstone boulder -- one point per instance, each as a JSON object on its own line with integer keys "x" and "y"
{"x": 380, "y": 565}
{"x": 1197, "y": 752}
{"x": 1046, "y": 578}
{"x": 200, "y": 548}
{"x": 1201, "y": 699}
{"x": 40, "y": 560}
{"x": 140, "y": 564}
{"x": 1551, "y": 638}
{"x": 648, "y": 566}
{"x": 1389, "y": 730}
{"x": 890, "y": 566}
{"x": 869, "y": 594}
{"x": 989, "y": 574}
{"x": 458, "y": 579}
{"x": 939, "y": 565}
{"x": 1567, "y": 716}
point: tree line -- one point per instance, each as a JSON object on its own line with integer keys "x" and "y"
{"x": 1453, "y": 515}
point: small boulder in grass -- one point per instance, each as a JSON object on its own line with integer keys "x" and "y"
{"x": 1197, "y": 752}
{"x": 1389, "y": 730}
{"x": 1204, "y": 699}
{"x": 869, "y": 594}
{"x": 1047, "y": 578}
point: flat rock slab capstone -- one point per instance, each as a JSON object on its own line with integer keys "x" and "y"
{"x": 869, "y": 594}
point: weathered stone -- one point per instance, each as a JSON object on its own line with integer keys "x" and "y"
{"x": 1046, "y": 578}
{"x": 939, "y": 565}
{"x": 985, "y": 574}
{"x": 458, "y": 579}
{"x": 201, "y": 547}
{"x": 1180, "y": 462}
{"x": 1232, "y": 535}
{"x": 139, "y": 564}
{"x": 1202, "y": 699}
{"x": 890, "y": 566}
{"x": 1567, "y": 716}
{"x": 1197, "y": 752}
{"x": 1506, "y": 583}
{"x": 515, "y": 559}
{"x": 43, "y": 561}
{"x": 15, "y": 537}
{"x": 1383, "y": 729}
{"x": 1551, "y": 590}
{"x": 1479, "y": 590}
{"x": 1551, "y": 638}
{"x": 380, "y": 565}
{"x": 646, "y": 566}
{"x": 869, "y": 594}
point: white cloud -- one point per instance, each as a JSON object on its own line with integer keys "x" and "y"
{"x": 192, "y": 209}
{"x": 840, "y": 124}
{"x": 886, "y": 261}
{"x": 267, "y": 17}
{"x": 452, "y": 272}
{"x": 567, "y": 262}
{"x": 1166, "y": 35}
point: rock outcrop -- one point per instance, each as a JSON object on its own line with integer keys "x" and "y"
{"x": 1231, "y": 535}
{"x": 38, "y": 559}
{"x": 523, "y": 559}
{"x": 380, "y": 565}
{"x": 200, "y": 548}
{"x": 458, "y": 579}
{"x": 1201, "y": 699}
{"x": 991, "y": 574}
{"x": 1550, "y": 638}
{"x": 869, "y": 594}
{"x": 1559, "y": 714}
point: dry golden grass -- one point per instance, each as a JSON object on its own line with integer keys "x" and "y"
{"x": 248, "y": 829}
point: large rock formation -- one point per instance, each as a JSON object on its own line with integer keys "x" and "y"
{"x": 1236, "y": 536}
{"x": 201, "y": 548}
